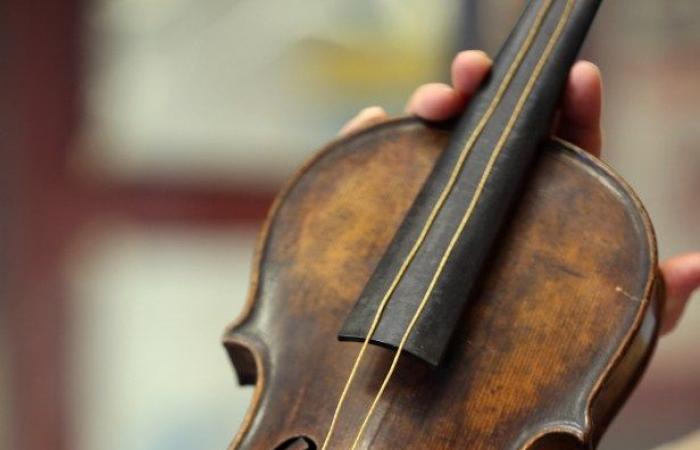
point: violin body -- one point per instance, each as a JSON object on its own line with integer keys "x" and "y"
{"x": 559, "y": 328}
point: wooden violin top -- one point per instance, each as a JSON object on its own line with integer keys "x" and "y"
{"x": 497, "y": 287}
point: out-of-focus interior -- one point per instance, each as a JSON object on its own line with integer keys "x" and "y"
{"x": 143, "y": 141}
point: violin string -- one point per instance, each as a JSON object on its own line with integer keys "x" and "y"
{"x": 465, "y": 219}
{"x": 539, "y": 18}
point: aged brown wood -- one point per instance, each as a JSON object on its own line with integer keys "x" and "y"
{"x": 560, "y": 329}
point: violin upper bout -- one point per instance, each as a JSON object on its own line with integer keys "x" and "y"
{"x": 632, "y": 351}
{"x": 558, "y": 330}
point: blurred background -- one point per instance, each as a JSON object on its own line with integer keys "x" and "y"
{"x": 142, "y": 143}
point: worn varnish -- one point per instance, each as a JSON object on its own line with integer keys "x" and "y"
{"x": 562, "y": 324}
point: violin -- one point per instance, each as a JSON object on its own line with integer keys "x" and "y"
{"x": 477, "y": 284}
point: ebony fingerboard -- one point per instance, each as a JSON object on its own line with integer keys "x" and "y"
{"x": 421, "y": 287}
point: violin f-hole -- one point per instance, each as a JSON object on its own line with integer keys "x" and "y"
{"x": 297, "y": 443}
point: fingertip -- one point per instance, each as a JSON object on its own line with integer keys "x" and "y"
{"x": 438, "y": 101}
{"x": 366, "y": 117}
{"x": 583, "y": 95}
{"x": 581, "y": 107}
{"x": 469, "y": 68}
{"x": 372, "y": 112}
{"x": 435, "y": 101}
{"x": 681, "y": 276}
{"x": 586, "y": 69}
{"x": 471, "y": 57}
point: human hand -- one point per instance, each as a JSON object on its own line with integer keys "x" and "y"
{"x": 578, "y": 121}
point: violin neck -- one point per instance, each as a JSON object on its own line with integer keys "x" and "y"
{"x": 561, "y": 23}
{"x": 445, "y": 239}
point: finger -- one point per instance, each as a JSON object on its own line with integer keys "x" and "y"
{"x": 579, "y": 119}
{"x": 363, "y": 119}
{"x": 438, "y": 101}
{"x": 469, "y": 68}
{"x": 682, "y": 276}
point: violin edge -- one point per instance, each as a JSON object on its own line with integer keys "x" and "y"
{"x": 244, "y": 350}
{"x": 247, "y": 352}
{"x": 624, "y": 372}
{"x": 614, "y": 387}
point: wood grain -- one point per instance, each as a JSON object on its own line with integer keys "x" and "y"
{"x": 560, "y": 329}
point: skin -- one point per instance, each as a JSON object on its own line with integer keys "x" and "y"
{"x": 577, "y": 121}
